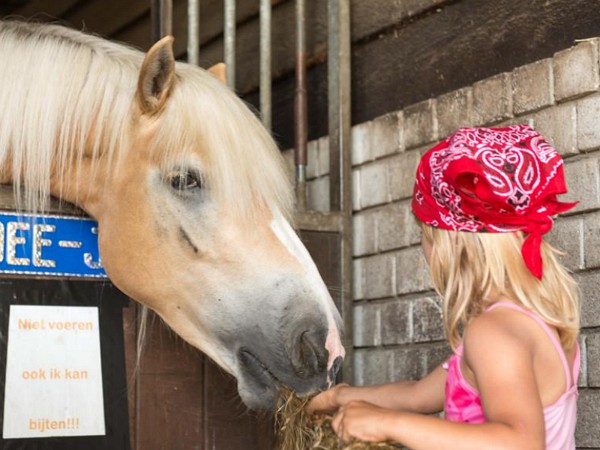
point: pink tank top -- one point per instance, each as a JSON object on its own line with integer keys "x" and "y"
{"x": 463, "y": 403}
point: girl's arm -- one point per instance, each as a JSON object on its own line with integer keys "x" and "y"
{"x": 424, "y": 396}
{"x": 367, "y": 422}
{"x": 501, "y": 358}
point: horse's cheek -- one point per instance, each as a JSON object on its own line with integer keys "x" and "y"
{"x": 118, "y": 262}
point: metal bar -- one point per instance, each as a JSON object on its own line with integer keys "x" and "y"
{"x": 340, "y": 156}
{"x": 300, "y": 106}
{"x": 265, "y": 62}
{"x": 161, "y": 17}
{"x": 193, "y": 43}
{"x": 334, "y": 105}
{"x": 230, "y": 25}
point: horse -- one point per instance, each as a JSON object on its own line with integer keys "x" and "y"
{"x": 190, "y": 192}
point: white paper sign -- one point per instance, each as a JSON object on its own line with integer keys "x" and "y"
{"x": 53, "y": 373}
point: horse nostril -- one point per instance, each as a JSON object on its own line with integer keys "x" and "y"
{"x": 310, "y": 356}
{"x": 335, "y": 368}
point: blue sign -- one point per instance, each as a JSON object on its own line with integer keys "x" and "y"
{"x": 49, "y": 246}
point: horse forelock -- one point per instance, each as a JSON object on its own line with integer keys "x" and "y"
{"x": 66, "y": 95}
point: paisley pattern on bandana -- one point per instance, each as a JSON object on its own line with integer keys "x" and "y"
{"x": 492, "y": 180}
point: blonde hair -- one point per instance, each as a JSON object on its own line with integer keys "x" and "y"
{"x": 468, "y": 269}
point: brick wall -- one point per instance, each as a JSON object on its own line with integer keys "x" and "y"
{"x": 398, "y": 327}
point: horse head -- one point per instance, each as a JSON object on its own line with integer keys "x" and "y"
{"x": 190, "y": 194}
{"x": 193, "y": 207}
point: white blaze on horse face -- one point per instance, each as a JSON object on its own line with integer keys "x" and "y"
{"x": 292, "y": 243}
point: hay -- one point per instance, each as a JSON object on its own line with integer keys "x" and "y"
{"x": 296, "y": 429}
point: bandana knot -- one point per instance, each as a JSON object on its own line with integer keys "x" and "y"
{"x": 494, "y": 180}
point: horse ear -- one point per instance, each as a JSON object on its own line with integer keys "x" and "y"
{"x": 156, "y": 76}
{"x": 218, "y": 71}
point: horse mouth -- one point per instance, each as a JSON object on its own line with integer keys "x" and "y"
{"x": 260, "y": 373}
{"x": 258, "y": 387}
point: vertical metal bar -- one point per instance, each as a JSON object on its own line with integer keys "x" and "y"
{"x": 230, "y": 25}
{"x": 161, "y": 17}
{"x": 265, "y": 62}
{"x": 300, "y": 106}
{"x": 193, "y": 43}
{"x": 339, "y": 43}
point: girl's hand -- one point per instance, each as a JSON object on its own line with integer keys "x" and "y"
{"x": 327, "y": 401}
{"x": 363, "y": 421}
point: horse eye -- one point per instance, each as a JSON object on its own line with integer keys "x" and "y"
{"x": 185, "y": 181}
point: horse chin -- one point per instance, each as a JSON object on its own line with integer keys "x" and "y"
{"x": 257, "y": 385}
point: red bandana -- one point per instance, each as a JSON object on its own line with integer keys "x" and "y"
{"x": 494, "y": 180}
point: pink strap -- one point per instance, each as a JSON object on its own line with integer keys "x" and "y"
{"x": 570, "y": 374}
{"x": 576, "y": 363}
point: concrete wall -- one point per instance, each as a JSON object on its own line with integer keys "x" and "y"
{"x": 398, "y": 326}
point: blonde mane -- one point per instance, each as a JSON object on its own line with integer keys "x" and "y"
{"x": 67, "y": 96}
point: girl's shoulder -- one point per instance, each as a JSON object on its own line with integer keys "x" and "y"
{"x": 501, "y": 328}
{"x": 511, "y": 343}
{"x": 496, "y": 349}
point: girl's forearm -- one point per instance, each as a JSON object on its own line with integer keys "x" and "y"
{"x": 419, "y": 432}
{"x": 391, "y": 396}
{"x": 425, "y": 396}
{"x": 399, "y": 396}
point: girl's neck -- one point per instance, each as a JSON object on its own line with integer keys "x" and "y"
{"x": 496, "y": 298}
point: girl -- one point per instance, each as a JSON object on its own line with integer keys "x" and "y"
{"x": 484, "y": 198}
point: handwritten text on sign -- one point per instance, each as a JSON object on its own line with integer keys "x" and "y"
{"x": 53, "y": 373}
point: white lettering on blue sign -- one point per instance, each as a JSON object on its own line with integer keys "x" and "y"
{"x": 49, "y": 245}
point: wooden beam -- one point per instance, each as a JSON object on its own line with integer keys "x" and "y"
{"x": 462, "y": 43}
{"x": 369, "y": 18}
{"x": 466, "y": 41}
{"x": 227, "y": 423}
{"x": 170, "y": 391}
{"x": 211, "y": 25}
{"x": 107, "y": 16}
{"x": 45, "y": 10}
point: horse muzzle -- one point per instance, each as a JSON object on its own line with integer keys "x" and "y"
{"x": 302, "y": 363}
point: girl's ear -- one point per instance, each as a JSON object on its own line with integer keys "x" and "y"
{"x": 156, "y": 77}
{"x": 218, "y": 71}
